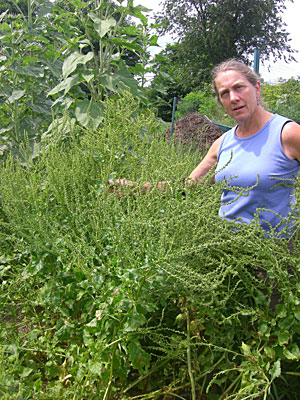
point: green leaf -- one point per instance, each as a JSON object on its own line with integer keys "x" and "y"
{"x": 95, "y": 368}
{"x": 155, "y": 26}
{"x": 71, "y": 62}
{"x": 129, "y": 30}
{"x": 88, "y": 113}
{"x": 109, "y": 82}
{"x": 125, "y": 76}
{"x": 65, "y": 85}
{"x": 139, "y": 358}
{"x": 81, "y": 112}
{"x": 88, "y": 75}
{"x": 16, "y": 95}
{"x": 292, "y": 353}
{"x": 153, "y": 41}
{"x": 286, "y": 323}
{"x": 128, "y": 45}
{"x": 96, "y": 114}
{"x": 263, "y": 328}
{"x": 270, "y": 352}
{"x": 246, "y": 349}
{"x": 136, "y": 12}
{"x": 283, "y": 338}
{"x": 281, "y": 310}
{"x": 164, "y": 74}
{"x": 25, "y": 372}
{"x": 289, "y": 355}
{"x": 297, "y": 315}
{"x": 275, "y": 371}
{"x": 134, "y": 321}
{"x": 102, "y": 26}
{"x": 3, "y": 14}
{"x": 43, "y": 108}
{"x": 36, "y": 72}
{"x": 52, "y": 369}
{"x": 28, "y": 59}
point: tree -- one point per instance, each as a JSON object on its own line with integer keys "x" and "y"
{"x": 176, "y": 73}
{"x": 220, "y": 29}
{"x": 168, "y": 80}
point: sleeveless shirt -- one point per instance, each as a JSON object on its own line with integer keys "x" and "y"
{"x": 259, "y": 177}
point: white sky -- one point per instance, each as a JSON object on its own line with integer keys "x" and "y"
{"x": 277, "y": 70}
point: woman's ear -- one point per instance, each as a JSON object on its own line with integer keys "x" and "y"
{"x": 257, "y": 87}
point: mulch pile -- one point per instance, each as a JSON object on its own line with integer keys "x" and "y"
{"x": 194, "y": 130}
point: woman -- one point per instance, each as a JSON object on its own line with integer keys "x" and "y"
{"x": 260, "y": 156}
{"x": 258, "y": 159}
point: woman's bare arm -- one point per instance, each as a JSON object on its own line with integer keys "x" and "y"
{"x": 197, "y": 174}
{"x": 290, "y": 139}
{"x": 208, "y": 162}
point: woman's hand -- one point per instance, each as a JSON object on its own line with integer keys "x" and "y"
{"x": 147, "y": 187}
{"x": 120, "y": 183}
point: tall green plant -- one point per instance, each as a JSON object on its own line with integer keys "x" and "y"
{"x": 28, "y": 69}
{"x": 94, "y": 65}
{"x": 62, "y": 60}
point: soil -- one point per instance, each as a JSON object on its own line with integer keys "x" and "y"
{"x": 194, "y": 130}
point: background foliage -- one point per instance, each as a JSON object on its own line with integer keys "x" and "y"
{"x": 204, "y": 102}
{"x": 283, "y": 98}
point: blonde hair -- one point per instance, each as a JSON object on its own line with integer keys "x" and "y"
{"x": 234, "y": 64}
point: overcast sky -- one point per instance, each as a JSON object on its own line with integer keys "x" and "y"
{"x": 278, "y": 70}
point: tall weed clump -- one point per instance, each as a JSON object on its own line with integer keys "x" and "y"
{"x": 141, "y": 296}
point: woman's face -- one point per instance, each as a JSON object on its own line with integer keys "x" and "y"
{"x": 237, "y": 95}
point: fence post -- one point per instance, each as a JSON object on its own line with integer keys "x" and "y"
{"x": 256, "y": 60}
{"x": 173, "y": 117}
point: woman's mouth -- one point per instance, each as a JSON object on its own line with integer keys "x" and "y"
{"x": 238, "y": 108}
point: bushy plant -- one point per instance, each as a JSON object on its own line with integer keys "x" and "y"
{"x": 283, "y": 98}
{"x": 141, "y": 296}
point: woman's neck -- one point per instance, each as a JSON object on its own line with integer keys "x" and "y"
{"x": 254, "y": 124}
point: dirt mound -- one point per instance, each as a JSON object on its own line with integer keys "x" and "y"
{"x": 195, "y": 130}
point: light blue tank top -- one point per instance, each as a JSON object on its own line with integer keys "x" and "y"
{"x": 257, "y": 161}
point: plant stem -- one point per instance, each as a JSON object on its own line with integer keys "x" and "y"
{"x": 189, "y": 358}
{"x": 141, "y": 378}
{"x": 29, "y": 8}
{"x": 111, "y": 376}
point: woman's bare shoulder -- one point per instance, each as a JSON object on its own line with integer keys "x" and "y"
{"x": 217, "y": 143}
{"x": 290, "y": 138}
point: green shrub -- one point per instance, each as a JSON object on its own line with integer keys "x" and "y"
{"x": 137, "y": 296}
{"x": 283, "y": 98}
{"x": 205, "y": 103}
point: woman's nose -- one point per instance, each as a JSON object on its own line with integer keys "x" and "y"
{"x": 233, "y": 95}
